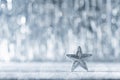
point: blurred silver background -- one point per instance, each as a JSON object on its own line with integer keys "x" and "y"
{"x": 46, "y": 30}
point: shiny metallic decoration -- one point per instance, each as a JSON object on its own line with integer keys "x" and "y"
{"x": 78, "y": 59}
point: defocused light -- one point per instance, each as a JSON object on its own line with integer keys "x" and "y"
{"x": 12, "y": 49}
{"x": 99, "y": 33}
{"x": 9, "y": 4}
{"x": 77, "y": 21}
{"x": 58, "y": 13}
{"x": 50, "y": 50}
{"x": 23, "y": 20}
{"x": 113, "y": 21}
{"x": 103, "y": 16}
{"x": 64, "y": 21}
{"x": 114, "y": 42}
{"x": 23, "y": 30}
{"x": 3, "y": 6}
{"x": 115, "y": 11}
{"x": 4, "y": 54}
{"x": 30, "y": 56}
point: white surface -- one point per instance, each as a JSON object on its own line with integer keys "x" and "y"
{"x": 58, "y": 71}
